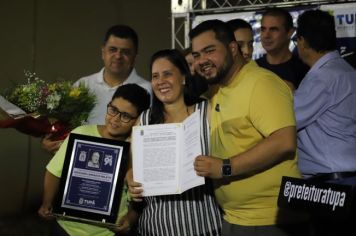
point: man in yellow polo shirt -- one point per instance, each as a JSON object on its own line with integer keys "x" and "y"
{"x": 253, "y": 136}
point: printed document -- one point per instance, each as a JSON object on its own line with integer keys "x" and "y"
{"x": 163, "y": 156}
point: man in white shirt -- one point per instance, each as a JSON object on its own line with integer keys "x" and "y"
{"x": 118, "y": 52}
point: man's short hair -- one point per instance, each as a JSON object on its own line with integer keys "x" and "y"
{"x": 222, "y": 31}
{"x": 318, "y": 30}
{"x": 280, "y": 12}
{"x": 124, "y": 32}
{"x": 236, "y": 24}
{"x": 135, "y": 94}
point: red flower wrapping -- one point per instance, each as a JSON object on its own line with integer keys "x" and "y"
{"x": 37, "y": 127}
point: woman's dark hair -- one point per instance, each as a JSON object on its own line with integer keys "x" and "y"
{"x": 135, "y": 94}
{"x": 190, "y": 95}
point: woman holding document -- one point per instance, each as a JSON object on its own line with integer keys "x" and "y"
{"x": 195, "y": 211}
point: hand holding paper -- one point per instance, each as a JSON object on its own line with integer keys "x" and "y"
{"x": 135, "y": 188}
{"x": 163, "y": 156}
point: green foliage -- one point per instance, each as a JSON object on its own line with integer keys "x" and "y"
{"x": 58, "y": 101}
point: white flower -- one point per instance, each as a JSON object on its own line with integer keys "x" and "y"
{"x": 53, "y": 101}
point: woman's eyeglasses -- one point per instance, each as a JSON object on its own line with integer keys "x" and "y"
{"x": 124, "y": 116}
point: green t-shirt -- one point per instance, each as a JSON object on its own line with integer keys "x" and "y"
{"x": 55, "y": 167}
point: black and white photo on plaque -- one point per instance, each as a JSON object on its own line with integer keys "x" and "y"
{"x": 92, "y": 179}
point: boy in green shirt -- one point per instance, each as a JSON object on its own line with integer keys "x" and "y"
{"x": 126, "y": 105}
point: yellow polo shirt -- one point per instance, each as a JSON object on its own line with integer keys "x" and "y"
{"x": 255, "y": 104}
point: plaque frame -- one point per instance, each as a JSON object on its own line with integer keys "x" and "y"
{"x": 82, "y": 185}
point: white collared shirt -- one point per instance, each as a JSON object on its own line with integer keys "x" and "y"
{"x": 104, "y": 92}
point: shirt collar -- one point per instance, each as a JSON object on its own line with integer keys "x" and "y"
{"x": 100, "y": 78}
{"x": 324, "y": 59}
{"x": 132, "y": 77}
{"x": 129, "y": 79}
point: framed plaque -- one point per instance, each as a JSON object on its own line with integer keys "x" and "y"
{"x": 92, "y": 179}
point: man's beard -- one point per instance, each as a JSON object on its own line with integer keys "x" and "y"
{"x": 222, "y": 72}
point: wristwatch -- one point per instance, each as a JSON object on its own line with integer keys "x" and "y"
{"x": 226, "y": 168}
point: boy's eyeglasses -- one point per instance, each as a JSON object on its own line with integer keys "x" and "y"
{"x": 124, "y": 116}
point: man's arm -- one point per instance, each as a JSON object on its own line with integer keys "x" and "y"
{"x": 279, "y": 146}
{"x": 51, "y": 186}
{"x": 311, "y": 100}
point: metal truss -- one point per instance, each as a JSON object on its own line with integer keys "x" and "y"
{"x": 183, "y": 11}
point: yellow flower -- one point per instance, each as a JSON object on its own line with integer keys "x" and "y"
{"x": 75, "y": 92}
{"x": 57, "y": 100}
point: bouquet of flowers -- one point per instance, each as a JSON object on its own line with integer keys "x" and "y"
{"x": 49, "y": 107}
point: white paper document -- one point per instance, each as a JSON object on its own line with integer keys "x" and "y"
{"x": 163, "y": 156}
{"x": 11, "y": 109}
